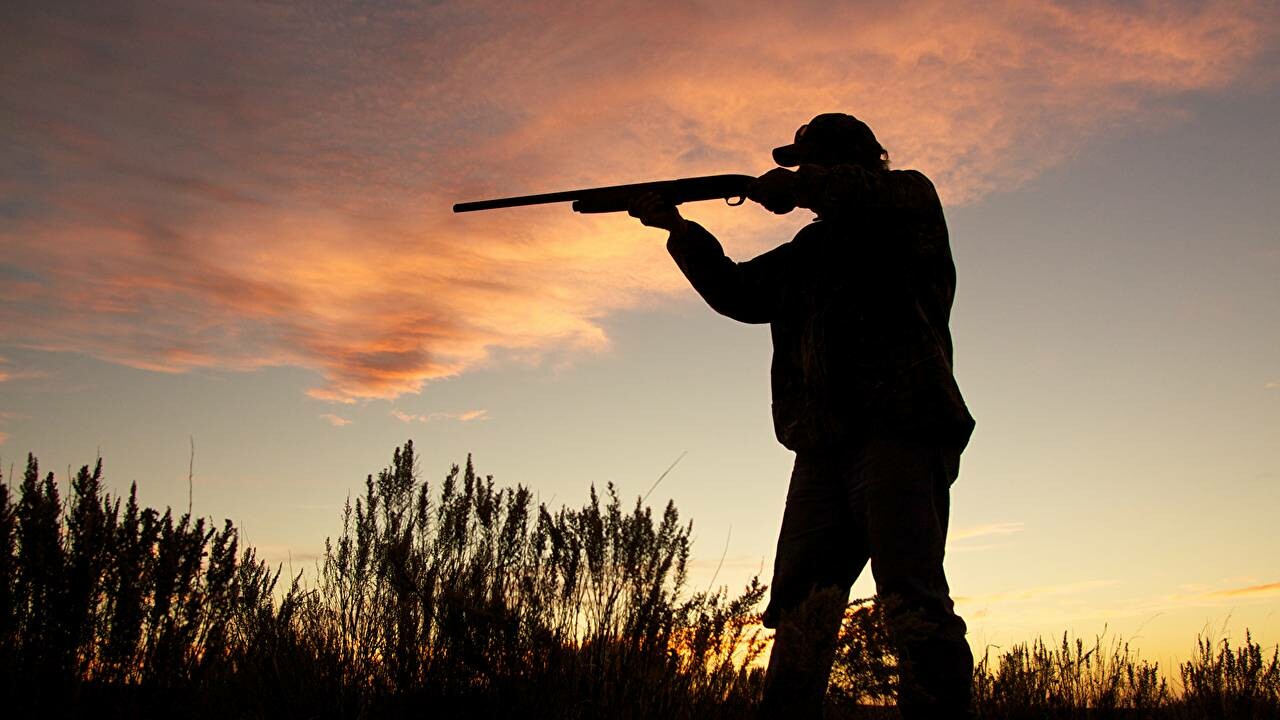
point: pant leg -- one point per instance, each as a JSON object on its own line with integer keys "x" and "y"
{"x": 907, "y": 508}
{"x": 822, "y": 548}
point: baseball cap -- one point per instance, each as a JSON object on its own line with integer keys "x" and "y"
{"x": 831, "y": 137}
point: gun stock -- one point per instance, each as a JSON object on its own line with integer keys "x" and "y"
{"x": 617, "y": 198}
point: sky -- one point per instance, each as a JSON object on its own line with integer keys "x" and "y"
{"x": 228, "y": 224}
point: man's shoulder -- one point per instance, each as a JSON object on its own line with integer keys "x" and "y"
{"x": 911, "y": 176}
{"x": 809, "y": 237}
{"x": 912, "y": 188}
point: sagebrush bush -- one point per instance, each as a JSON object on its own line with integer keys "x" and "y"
{"x": 1070, "y": 680}
{"x": 94, "y": 599}
{"x": 459, "y": 597}
{"x": 469, "y": 592}
{"x": 1232, "y": 682}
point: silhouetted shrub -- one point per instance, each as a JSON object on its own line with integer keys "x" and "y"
{"x": 466, "y": 597}
{"x": 1072, "y": 680}
{"x": 470, "y": 592}
{"x": 1232, "y": 683}
{"x": 91, "y": 599}
{"x": 865, "y": 671}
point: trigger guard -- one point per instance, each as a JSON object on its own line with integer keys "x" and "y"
{"x": 740, "y": 199}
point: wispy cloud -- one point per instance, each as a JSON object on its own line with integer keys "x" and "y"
{"x": 235, "y": 185}
{"x": 960, "y": 539}
{"x": 463, "y": 417}
{"x": 10, "y": 374}
{"x": 1250, "y": 591}
{"x": 5, "y": 417}
{"x": 987, "y": 530}
{"x": 1192, "y": 596}
{"x": 275, "y": 554}
{"x": 1037, "y": 592}
{"x": 1272, "y": 386}
{"x": 1106, "y": 601}
{"x": 335, "y": 420}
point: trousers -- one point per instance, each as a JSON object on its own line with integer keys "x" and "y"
{"x": 887, "y": 502}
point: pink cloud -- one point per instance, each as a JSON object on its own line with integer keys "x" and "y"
{"x": 462, "y": 417}
{"x": 335, "y": 420}
{"x": 237, "y": 186}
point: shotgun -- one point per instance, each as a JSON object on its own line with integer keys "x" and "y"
{"x": 617, "y": 198}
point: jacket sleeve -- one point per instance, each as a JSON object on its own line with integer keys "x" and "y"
{"x": 748, "y": 292}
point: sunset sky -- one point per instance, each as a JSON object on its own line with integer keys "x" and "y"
{"x": 230, "y": 221}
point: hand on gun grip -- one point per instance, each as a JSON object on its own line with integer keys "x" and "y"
{"x": 775, "y": 190}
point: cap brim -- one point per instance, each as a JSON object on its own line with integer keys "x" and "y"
{"x": 789, "y": 155}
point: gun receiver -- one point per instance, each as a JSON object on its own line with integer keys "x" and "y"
{"x": 617, "y": 198}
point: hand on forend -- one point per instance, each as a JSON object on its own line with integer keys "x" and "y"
{"x": 652, "y": 210}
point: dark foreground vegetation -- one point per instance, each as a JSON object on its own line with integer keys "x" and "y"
{"x": 465, "y": 600}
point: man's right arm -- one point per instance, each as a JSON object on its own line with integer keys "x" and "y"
{"x": 747, "y": 292}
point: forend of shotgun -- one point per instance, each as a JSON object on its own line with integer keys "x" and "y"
{"x": 617, "y": 198}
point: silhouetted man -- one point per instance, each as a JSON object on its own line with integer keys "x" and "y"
{"x": 858, "y": 304}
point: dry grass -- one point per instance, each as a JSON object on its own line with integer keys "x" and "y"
{"x": 464, "y": 600}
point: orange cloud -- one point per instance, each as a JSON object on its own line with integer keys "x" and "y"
{"x": 335, "y": 420}
{"x": 234, "y": 187}
{"x": 1267, "y": 590}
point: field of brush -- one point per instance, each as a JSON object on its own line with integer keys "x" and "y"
{"x": 461, "y": 599}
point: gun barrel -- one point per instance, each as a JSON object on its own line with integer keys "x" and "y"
{"x": 616, "y": 198}
{"x": 518, "y": 201}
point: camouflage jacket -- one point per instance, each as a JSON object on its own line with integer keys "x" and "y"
{"x": 858, "y": 304}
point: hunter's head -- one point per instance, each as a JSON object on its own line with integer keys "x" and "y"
{"x": 834, "y": 139}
